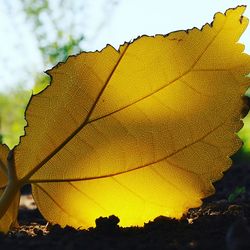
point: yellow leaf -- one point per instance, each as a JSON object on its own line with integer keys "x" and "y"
{"x": 139, "y": 132}
{"x": 10, "y": 218}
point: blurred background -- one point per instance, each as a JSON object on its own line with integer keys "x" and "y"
{"x": 37, "y": 34}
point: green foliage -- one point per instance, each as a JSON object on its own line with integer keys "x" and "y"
{"x": 12, "y": 108}
{"x": 244, "y": 133}
{"x": 55, "y": 53}
{"x": 240, "y": 190}
{"x": 41, "y": 82}
{"x": 65, "y": 41}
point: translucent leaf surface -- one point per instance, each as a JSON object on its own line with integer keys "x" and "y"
{"x": 9, "y": 219}
{"x": 139, "y": 132}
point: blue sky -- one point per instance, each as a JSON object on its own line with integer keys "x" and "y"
{"x": 20, "y": 59}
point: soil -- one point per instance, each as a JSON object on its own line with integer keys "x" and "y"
{"x": 219, "y": 224}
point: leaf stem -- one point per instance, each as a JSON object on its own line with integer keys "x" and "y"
{"x": 11, "y": 168}
{"x": 12, "y": 187}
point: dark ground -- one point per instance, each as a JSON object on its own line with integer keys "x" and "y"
{"x": 218, "y": 224}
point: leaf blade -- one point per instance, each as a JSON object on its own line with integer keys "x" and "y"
{"x": 137, "y": 121}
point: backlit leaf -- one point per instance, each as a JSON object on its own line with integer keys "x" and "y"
{"x": 139, "y": 132}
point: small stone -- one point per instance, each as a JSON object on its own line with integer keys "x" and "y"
{"x": 38, "y": 231}
{"x": 107, "y": 224}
